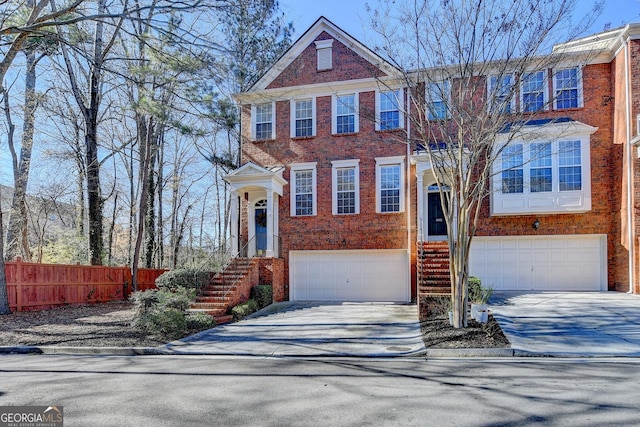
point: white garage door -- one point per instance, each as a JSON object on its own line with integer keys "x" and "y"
{"x": 367, "y": 275}
{"x": 541, "y": 263}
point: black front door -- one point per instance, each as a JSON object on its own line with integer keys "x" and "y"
{"x": 437, "y": 225}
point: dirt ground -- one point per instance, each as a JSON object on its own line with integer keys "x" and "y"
{"x": 109, "y": 325}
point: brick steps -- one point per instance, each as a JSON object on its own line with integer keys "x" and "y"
{"x": 215, "y": 299}
{"x": 433, "y": 269}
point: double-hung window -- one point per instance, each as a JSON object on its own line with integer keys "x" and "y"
{"x": 540, "y": 167}
{"x": 303, "y": 189}
{"x": 346, "y": 187}
{"x": 303, "y": 118}
{"x": 500, "y": 93}
{"x": 389, "y": 110}
{"x": 512, "y": 169}
{"x": 390, "y": 184}
{"x": 566, "y": 88}
{"x": 438, "y": 96}
{"x": 345, "y": 116}
{"x": 263, "y": 127}
{"x": 533, "y": 91}
{"x": 570, "y": 166}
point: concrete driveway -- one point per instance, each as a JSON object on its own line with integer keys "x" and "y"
{"x": 581, "y": 324}
{"x": 314, "y": 329}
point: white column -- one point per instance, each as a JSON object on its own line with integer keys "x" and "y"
{"x": 233, "y": 215}
{"x": 420, "y": 213}
{"x": 270, "y": 229}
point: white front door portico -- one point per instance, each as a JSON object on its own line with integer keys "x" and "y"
{"x": 262, "y": 189}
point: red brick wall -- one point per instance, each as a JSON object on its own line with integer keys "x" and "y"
{"x": 347, "y": 65}
{"x": 606, "y": 167}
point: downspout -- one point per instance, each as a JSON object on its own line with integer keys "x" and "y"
{"x": 408, "y": 184}
{"x": 629, "y": 166}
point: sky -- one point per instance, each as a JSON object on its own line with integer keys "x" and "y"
{"x": 351, "y": 15}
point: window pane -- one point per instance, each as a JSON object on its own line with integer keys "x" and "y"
{"x": 501, "y": 93}
{"x": 304, "y": 118}
{"x": 570, "y": 161}
{"x": 567, "y": 88}
{"x": 390, "y": 188}
{"x": 512, "y": 164}
{"x": 264, "y": 121}
{"x": 304, "y": 192}
{"x": 345, "y": 114}
{"x": 540, "y": 167}
{"x": 346, "y": 190}
{"x": 533, "y": 91}
{"x": 389, "y": 111}
{"x": 438, "y": 96}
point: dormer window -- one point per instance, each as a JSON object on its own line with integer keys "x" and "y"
{"x": 324, "y": 54}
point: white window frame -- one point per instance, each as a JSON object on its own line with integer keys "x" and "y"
{"x": 546, "y": 202}
{"x": 339, "y": 164}
{"x": 579, "y": 83}
{"x": 299, "y": 167}
{"x": 254, "y": 122}
{"x": 545, "y": 91}
{"x": 490, "y": 88}
{"x": 399, "y": 93}
{"x": 432, "y": 96}
{"x": 334, "y": 115}
{"x": 292, "y": 108}
{"x": 389, "y": 161}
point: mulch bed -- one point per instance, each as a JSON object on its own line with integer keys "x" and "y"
{"x": 438, "y": 333}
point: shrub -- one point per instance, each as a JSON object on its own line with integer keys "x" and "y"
{"x": 240, "y": 311}
{"x": 197, "y": 322}
{"x": 162, "y": 313}
{"x": 478, "y": 294}
{"x": 263, "y": 295}
{"x": 189, "y": 278}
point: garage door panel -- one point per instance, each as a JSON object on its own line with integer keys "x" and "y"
{"x": 573, "y": 262}
{"x": 367, "y": 275}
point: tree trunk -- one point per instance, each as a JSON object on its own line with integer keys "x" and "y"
{"x": 4, "y": 294}
{"x": 17, "y": 232}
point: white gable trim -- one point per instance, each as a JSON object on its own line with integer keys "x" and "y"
{"x": 322, "y": 24}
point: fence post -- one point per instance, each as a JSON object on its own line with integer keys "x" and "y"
{"x": 18, "y": 283}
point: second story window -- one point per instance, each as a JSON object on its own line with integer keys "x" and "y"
{"x": 263, "y": 121}
{"x": 346, "y": 187}
{"x": 566, "y": 88}
{"x": 303, "y": 189}
{"x": 389, "y": 112}
{"x": 570, "y": 165}
{"x": 390, "y": 184}
{"x": 438, "y": 95}
{"x": 345, "y": 114}
{"x": 512, "y": 169}
{"x": 303, "y": 123}
{"x": 534, "y": 92}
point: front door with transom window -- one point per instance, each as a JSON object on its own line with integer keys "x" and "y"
{"x": 261, "y": 226}
{"x": 437, "y": 226}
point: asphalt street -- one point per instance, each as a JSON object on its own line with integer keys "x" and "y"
{"x": 261, "y": 391}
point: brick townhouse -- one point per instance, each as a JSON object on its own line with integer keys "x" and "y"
{"x": 328, "y": 185}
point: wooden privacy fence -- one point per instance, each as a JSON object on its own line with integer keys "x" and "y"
{"x": 34, "y": 286}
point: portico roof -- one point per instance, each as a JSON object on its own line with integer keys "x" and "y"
{"x": 254, "y": 177}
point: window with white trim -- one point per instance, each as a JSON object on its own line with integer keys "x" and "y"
{"x": 567, "y": 88}
{"x": 303, "y": 122}
{"x": 324, "y": 54}
{"x": 544, "y": 175}
{"x": 346, "y": 187}
{"x": 263, "y": 126}
{"x": 345, "y": 117}
{"x": 390, "y": 184}
{"x": 438, "y": 98}
{"x": 303, "y": 189}
{"x": 500, "y": 93}
{"x": 533, "y": 91}
{"x": 388, "y": 106}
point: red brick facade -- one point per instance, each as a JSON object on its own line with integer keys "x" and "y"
{"x": 603, "y": 89}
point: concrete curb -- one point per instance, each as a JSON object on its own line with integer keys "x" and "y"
{"x": 112, "y": 351}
